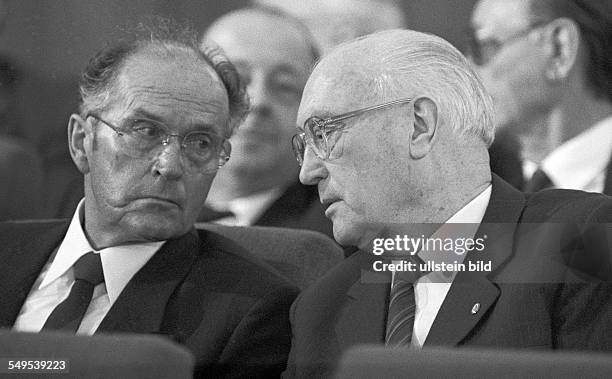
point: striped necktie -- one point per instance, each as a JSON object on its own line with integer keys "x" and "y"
{"x": 402, "y": 308}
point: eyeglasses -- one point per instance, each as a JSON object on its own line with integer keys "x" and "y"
{"x": 141, "y": 138}
{"x": 321, "y": 134}
{"x": 482, "y": 51}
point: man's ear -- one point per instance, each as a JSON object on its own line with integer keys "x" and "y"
{"x": 77, "y": 142}
{"x": 425, "y": 126}
{"x": 564, "y": 41}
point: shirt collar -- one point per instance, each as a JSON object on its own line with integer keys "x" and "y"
{"x": 120, "y": 263}
{"x": 577, "y": 162}
{"x": 463, "y": 224}
{"x": 73, "y": 246}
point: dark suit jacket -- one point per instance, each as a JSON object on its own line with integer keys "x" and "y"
{"x": 548, "y": 251}
{"x": 608, "y": 183}
{"x": 201, "y": 290}
{"x": 21, "y": 178}
{"x": 505, "y": 158}
{"x": 302, "y": 256}
{"x": 297, "y": 208}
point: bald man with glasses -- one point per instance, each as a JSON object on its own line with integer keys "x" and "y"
{"x": 393, "y": 129}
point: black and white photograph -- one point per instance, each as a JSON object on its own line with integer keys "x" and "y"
{"x": 306, "y": 189}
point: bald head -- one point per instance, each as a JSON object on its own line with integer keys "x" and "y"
{"x": 264, "y": 26}
{"x": 335, "y": 21}
{"x": 402, "y": 116}
{"x": 274, "y": 54}
{"x": 400, "y": 63}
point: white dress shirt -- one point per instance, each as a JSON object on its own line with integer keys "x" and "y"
{"x": 120, "y": 264}
{"x": 580, "y": 163}
{"x": 430, "y": 290}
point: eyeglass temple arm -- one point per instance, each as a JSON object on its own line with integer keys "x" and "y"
{"x": 116, "y": 129}
{"x": 360, "y": 111}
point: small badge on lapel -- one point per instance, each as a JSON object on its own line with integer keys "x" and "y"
{"x": 475, "y": 308}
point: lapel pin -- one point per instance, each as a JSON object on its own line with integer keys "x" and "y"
{"x": 475, "y": 308}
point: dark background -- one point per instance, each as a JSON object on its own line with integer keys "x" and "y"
{"x": 52, "y": 40}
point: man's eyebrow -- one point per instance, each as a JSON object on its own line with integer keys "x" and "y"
{"x": 241, "y": 63}
{"x": 201, "y": 126}
{"x": 323, "y": 114}
{"x": 285, "y": 68}
{"x": 139, "y": 112}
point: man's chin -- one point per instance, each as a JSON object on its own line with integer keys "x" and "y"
{"x": 345, "y": 235}
{"x": 155, "y": 228}
{"x": 358, "y": 234}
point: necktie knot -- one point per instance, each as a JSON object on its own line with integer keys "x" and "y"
{"x": 419, "y": 269}
{"x": 89, "y": 269}
{"x": 68, "y": 314}
{"x": 539, "y": 181}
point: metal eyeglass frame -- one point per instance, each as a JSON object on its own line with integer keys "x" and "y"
{"x": 475, "y": 47}
{"x": 224, "y": 156}
{"x": 301, "y": 140}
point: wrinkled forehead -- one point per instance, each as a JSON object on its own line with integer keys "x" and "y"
{"x": 182, "y": 88}
{"x": 492, "y": 17}
{"x": 263, "y": 39}
{"x": 339, "y": 84}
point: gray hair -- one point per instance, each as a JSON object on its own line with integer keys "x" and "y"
{"x": 98, "y": 86}
{"x": 412, "y": 63}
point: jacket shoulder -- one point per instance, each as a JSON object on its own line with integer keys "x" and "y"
{"x": 11, "y": 230}
{"x": 558, "y": 205}
{"x": 227, "y": 266}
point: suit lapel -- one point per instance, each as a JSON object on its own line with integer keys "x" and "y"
{"x": 26, "y": 249}
{"x": 142, "y": 304}
{"x": 473, "y": 293}
{"x": 362, "y": 319}
{"x": 608, "y": 183}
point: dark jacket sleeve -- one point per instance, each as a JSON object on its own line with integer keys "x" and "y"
{"x": 259, "y": 346}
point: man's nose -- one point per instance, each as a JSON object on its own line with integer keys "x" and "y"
{"x": 170, "y": 160}
{"x": 313, "y": 170}
{"x": 261, "y": 98}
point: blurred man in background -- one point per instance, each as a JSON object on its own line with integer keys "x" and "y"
{"x": 547, "y": 65}
{"x": 335, "y": 21}
{"x": 273, "y": 53}
{"x": 21, "y": 173}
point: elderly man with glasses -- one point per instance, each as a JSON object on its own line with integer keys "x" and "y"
{"x": 155, "y": 117}
{"x": 393, "y": 128}
{"x": 547, "y": 65}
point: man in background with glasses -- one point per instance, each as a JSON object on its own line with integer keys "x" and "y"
{"x": 547, "y": 65}
{"x": 155, "y": 117}
{"x": 393, "y": 128}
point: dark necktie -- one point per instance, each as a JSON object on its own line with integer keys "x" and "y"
{"x": 69, "y": 313}
{"x": 402, "y": 308}
{"x": 538, "y": 182}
